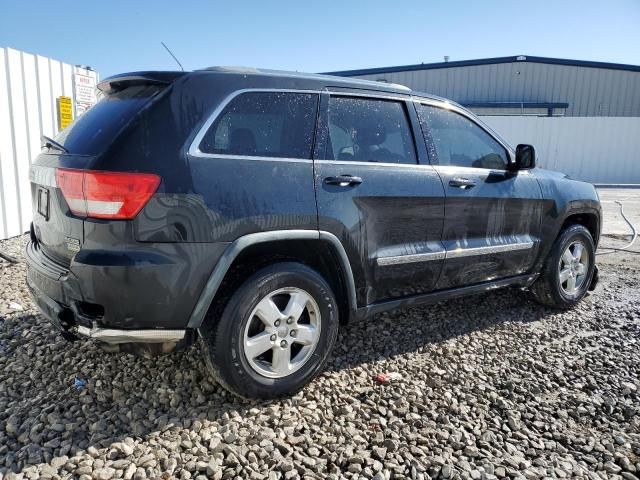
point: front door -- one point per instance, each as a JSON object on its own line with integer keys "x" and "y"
{"x": 377, "y": 193}
{"x": 492, "y": 214}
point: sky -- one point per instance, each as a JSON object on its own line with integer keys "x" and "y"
{"x": 120, "y": 36}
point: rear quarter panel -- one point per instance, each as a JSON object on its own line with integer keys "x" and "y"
{"x": 211, "y": 199}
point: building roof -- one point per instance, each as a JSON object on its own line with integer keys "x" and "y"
{"x": 488, "y": 61}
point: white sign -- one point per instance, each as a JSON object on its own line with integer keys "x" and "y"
{"x": 81, "y": 108}
{"x": 85, "y": 92}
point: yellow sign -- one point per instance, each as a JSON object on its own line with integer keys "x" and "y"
{"x": 65, "y": 115}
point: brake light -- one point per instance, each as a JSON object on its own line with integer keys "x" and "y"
{"x": 114, "y": 195}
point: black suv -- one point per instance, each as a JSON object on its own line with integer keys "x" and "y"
{"x": 256, "y": 210}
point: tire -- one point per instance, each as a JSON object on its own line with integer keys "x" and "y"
{"x": 247, "y": 326}
{"x": 553, "y": 291}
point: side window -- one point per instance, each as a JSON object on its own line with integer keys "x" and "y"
{"x": 369, "y": 130}
{"x": 264, "y": 124}
{"x": 459, "y": 141}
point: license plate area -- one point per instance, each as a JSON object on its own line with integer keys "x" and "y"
{"x": 43, "y": 202}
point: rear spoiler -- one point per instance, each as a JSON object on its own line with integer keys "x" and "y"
{"x": 118, "y": 82}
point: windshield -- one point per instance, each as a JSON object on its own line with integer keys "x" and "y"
{"x": 92, "y": 133}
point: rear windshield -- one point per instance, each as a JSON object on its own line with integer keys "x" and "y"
{"x": 92, "y": 133}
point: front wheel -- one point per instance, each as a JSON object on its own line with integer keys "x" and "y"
{"x": 568, "y": 270}
{"x": 275, "y": 333}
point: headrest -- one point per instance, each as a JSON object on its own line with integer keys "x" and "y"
{"x": 371, "y": 135}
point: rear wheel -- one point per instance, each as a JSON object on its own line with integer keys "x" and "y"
{"x": 568, "y": 270}
{"x": 275, "y": 332}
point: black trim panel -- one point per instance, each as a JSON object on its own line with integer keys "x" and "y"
{"x": 414, "y": 301}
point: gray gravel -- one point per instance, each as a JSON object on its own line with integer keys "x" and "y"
{"x": 491, "y": 386}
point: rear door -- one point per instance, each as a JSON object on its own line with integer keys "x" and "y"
{"x": 377, "y": 193}
{"x": 251, "y": 163}
{"x": 492, "y": 214}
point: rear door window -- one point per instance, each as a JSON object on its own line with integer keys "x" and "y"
{"x": 97, "y": 128}
{"x": 264, "y": 124}
{"x": 369, "y": 130}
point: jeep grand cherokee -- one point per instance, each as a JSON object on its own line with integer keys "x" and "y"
{"x": 256, "y": 210}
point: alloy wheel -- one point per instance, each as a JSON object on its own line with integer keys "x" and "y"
{"x": 574, "y": 266}
{"x": 282, "y": 332}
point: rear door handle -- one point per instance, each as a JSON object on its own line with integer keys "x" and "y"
{"x": 343, "y": 180}
{"x": 463, "y": 183}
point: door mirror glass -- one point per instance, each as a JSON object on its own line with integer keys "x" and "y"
{"x": 525, "y": 157}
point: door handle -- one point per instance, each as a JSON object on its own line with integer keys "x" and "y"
{"x": 343, "y": 180}
{"x": 463, "y": 183}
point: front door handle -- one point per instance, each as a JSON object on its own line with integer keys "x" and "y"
{"x": 463, "y": 183}
{"x": 343, "y": 180}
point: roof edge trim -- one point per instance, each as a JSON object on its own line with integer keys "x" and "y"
{"x": 487, "y": 61}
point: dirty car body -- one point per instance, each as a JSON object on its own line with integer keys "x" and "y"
{"x": 390, "y": 214}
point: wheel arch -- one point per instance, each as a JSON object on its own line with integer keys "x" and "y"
{"x": 254, "y": 251}
{"x": 583, "y": 213}
{"x": 589, "y": 218}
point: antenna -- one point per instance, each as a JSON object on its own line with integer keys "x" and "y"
{"x": 174, "y": 57}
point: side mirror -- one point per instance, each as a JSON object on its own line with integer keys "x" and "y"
{"x": 525, "y": 157}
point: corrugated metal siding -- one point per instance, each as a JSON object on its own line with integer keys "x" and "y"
{"x": 589, "y": 91}
{"x": 593, "y": 149}
{"x": 29, "y": 88}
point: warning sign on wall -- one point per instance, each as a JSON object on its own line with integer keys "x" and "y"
{"x": 85, "y": 91}
{"x": 65, "y": 112}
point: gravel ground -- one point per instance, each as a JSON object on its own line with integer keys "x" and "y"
{"x": 491, "y": 386}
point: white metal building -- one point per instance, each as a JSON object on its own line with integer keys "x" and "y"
{"x": 37, "y": 96}
{"x": 582, "y": 117}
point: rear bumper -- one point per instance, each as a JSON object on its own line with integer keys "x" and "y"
{"x": 140, "y": 294}
{"x": 115, "y": 337}
{"x": 68, "y": 324}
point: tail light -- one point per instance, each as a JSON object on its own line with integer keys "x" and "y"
{"x": 113, "y": 195}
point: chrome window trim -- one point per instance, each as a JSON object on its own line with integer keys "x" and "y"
{"x": 373, "y": 95}
{"x": 450, "y": 254}
{"x": 194, "y": 148}
{"x": 451, "y": 169}
{"x": 375, "y": 164}
{"x": 224, "y": 156}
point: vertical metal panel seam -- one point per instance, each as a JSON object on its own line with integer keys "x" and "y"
{"x": 39, "y": 96}
{"x": 13, "y": 139}
{"x": 26, "y": 106}
{"x": 55, "y": 106}
{"x": 5, "y": 227}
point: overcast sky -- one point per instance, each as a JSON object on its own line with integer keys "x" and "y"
{"x": 119, "y": 36}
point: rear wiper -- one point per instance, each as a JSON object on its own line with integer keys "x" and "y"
{"x": 51, "y": 143}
